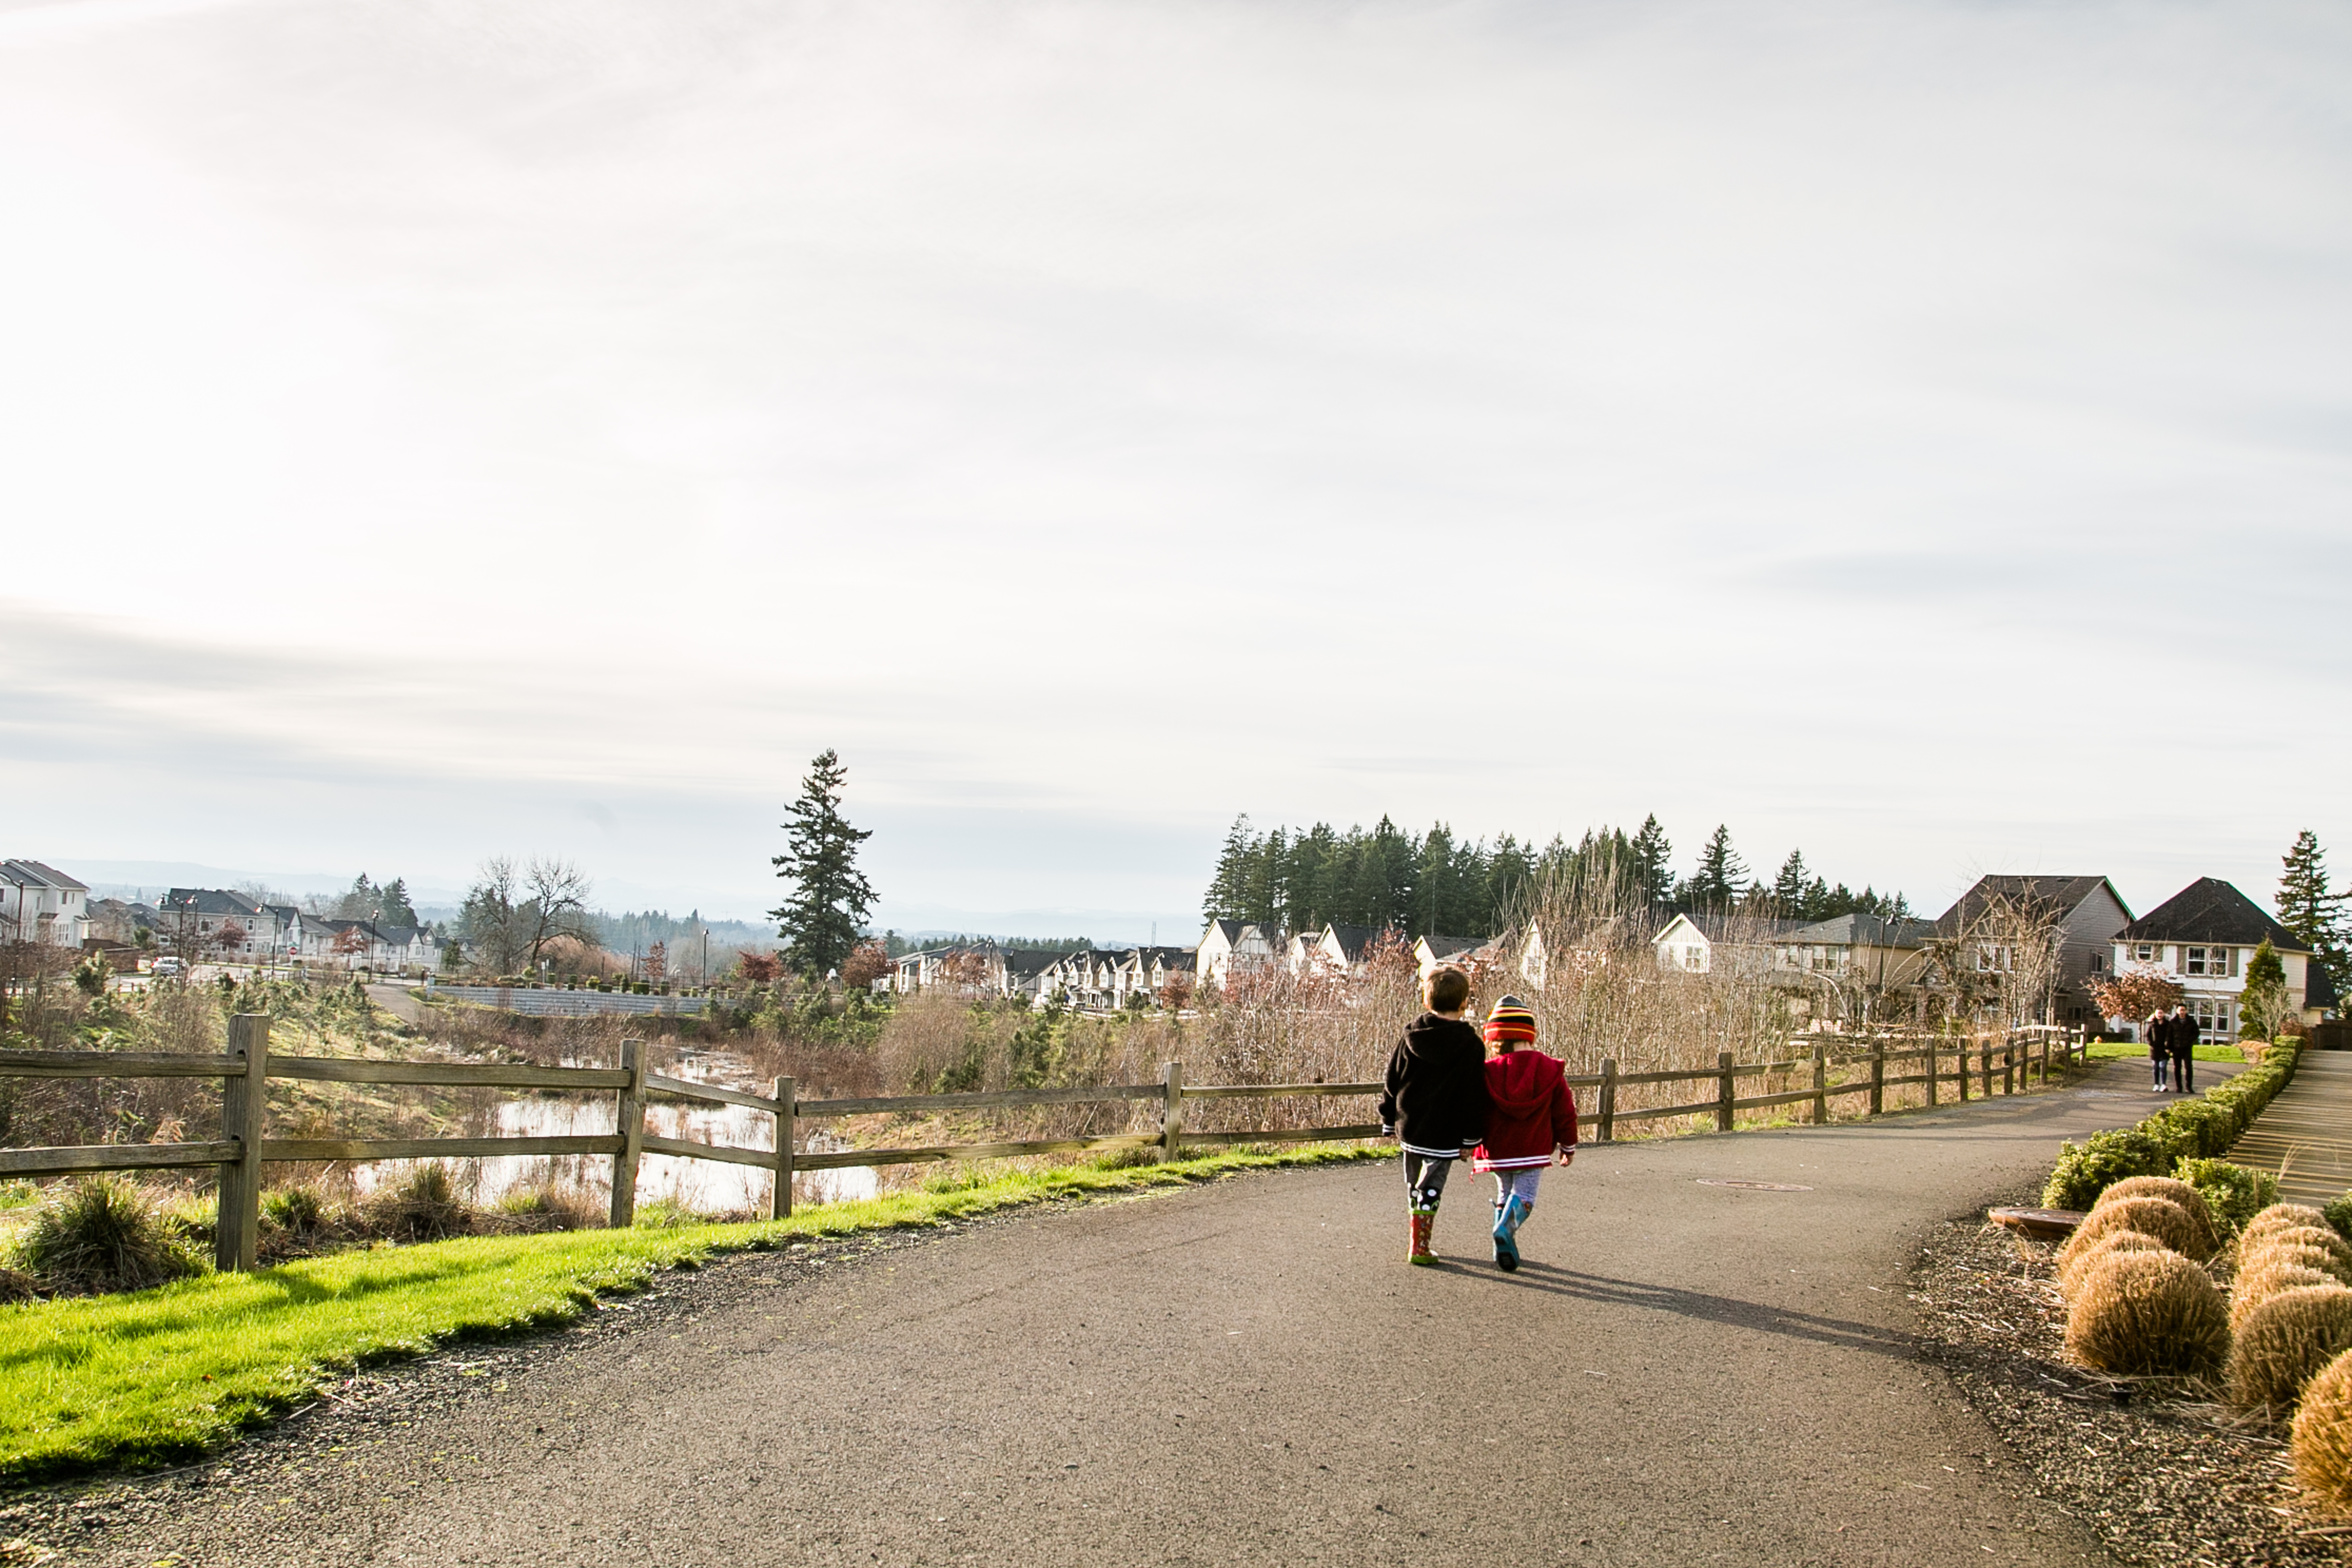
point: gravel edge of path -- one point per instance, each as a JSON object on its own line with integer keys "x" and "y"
{"x": 2163, "y": 1476}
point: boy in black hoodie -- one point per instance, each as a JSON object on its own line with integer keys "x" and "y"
{"x": 1436, "y": 1101}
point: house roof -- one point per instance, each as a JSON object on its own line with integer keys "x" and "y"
{"x": 1865, "y": 930}
{"x": 2209, "y": 909}
{"x": 1230, "y": 929}
{"x": 1028, "y": 962}
{"x": 33, "y": 874}
{"x": 1352, "y": 939}
{"x": 1447, "y": 946}
{"x": 2063, "y": 894}
{"x": 2318, "y": 986}
{"x": 1717, "y": 926}
{"x": 209, "y": 901}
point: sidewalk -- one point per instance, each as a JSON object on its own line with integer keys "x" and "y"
{"x": 2306, "y": 1134}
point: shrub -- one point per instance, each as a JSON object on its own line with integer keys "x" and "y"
{"x": 2338, "y": 1216}
{"x": 2187, "y": 1198}
{"x": 2198, "y": 1129}
{"x": 548, "y": 1207}
{"x": 2281, "y": 1341}
{"x": 2322, "y": 1446}
{"x": 16, "y": 1285}
{"x": 298, "y": 1209}
{"x": 2254, "y": 1286}
{"x": 2085, "y": 1170}
{"x": 2147, "y": 1313}
{"x": 2273, "y": 1251}
{"x": 2071, "y": 1271}
{"x": 2309, "y": 1238}
{"x": 2167, "y": 1223}
{"x": 426, "y": 1207}
{"x": 104, "y": 1235}
{"x": 2233, "y": 1194}
{"x": 2279, "y": 1216}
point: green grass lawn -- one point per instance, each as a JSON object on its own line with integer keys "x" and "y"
{"x": 152, "y": 1376}
{"x": 2106, "y": 1050}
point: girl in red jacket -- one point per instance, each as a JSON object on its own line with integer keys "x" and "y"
{"x": 1530, "y": 1122}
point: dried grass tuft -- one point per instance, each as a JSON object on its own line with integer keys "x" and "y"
{"x": 2071, "y": 1271}
{"x": 2208, "y": 1239}
{"x": 2283, "y": 1342}
{"x": 2280, "y": 1216}
{"x": 2148, "y": 1314}
{"x": 2321, "y": 1446}
{"x": 2167, "y": 1222}
{"x": 2259, "y": 1284}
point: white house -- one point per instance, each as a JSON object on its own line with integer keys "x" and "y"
{"x": 1431, "y": 953}
{"x": 214, "y": 921}
{"x": 40, "y": 903}
{"x": 1698, "y": 941}
{"x": 1228, "y": 945}
{"x": 2203, "y": 936}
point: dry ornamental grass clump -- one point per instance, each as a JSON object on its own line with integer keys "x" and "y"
{"x": 2073, "y": 1270}
{"x": 2322, "y": 1448}
{"x": 2147, "y": 1314}
{"x": 2168, "y": 1222}
{"x": 2310, "y": 1237}
{"x": 2281, "y": 1341}
{"x": 2190, "y": 1202}
{"x": 2280, "y": 1216}
{"x": 2258, "y": 1284}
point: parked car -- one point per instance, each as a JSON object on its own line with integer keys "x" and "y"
{"x": 167, "y": 967}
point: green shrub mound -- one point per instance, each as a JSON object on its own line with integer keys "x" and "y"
{"x": 2188, "y": 1129}
{"x": 2322, "y": 1445}
{"x": 2258, "y": 1284}
{"x": 2338, "y": 1215}
{"x": 103, "y": 1234}
{"x": 2148, "y": 1314}
{"x": 2167, "y": 1222}
{"x": 2206, "y": 1242}
{"x": 2072, "y": 1269}
{"x": 2233, "y": 1194}
{"x": 2281, "y": 1343}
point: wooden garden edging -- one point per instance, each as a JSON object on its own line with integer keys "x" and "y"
{"x": 243, "y": 1147}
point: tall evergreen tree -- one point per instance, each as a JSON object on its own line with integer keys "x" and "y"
{"x": 821, "y": 921}
{"x": 2306, "y": 908}
{"x": 1228, "y": 891}
{"x": 1721, "y": 875}
{"x": 1652, "y": 862}
{"x": 1789, "y": 887}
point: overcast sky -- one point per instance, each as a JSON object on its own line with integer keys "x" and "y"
{"x": 1917, "y": 433}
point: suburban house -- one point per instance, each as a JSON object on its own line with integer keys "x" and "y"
{"x": 2203, "y": 937}
{"x": 1697, "y": 941}
{"x": 40, "y": 903}
{"x": 215, "y": 921}
{"x": 1431, "y": 953}
{"x": 2087, "y": 913}
{"x": 362, "y": 945}
{"x": 119, "y": 922}
{"x": 1230, "y": 944}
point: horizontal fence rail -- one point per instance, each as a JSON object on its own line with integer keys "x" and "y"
{"x": 2011, "y": 1061}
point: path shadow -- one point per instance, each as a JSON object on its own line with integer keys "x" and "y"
{"x": 1549, "y": 1280}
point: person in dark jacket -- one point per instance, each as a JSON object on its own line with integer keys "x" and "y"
{"x": 2157, "y": 1032}
{"x": 1434, "y": 1102}
{"x": 2184, "y": 1051}
{"x": 1530, "y": 1122}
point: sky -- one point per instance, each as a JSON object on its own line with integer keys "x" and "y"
{"x": 1917, "y": 433}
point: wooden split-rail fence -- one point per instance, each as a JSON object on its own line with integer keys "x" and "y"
{"x": 244, "y": 1146}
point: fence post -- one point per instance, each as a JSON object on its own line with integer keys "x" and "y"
{"x": 2009, "y": 1067}
{"x": 1984, "y": 1065}
{"x": 1172, "y": 1114}
{"x": 1821, "y": 1083}
{"x": 631, "y": 1124}
{"x": 1961, "y": 1065}
{"x": 244, "y": 1107}
{"x": 1725, "y": 1090}
{"x": 1877, "y": 1077}
{"x": 2043, "y": 1076}
{"x": 1931, "y": 1072}
{"x": 1608, "y": 1099}
{"x": 780, "y": 1206}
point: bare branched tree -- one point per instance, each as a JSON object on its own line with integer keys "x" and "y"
{"x": 558, "y": 904}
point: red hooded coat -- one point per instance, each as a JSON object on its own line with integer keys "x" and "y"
{"x": 1530, "y": 1112}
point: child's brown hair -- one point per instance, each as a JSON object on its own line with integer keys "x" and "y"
{"x": 1446, "y": 990}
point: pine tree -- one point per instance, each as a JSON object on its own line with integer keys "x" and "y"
{"x": 1228, "y": 894}
{"x": 1790, "y": 888}
{"x": 830, "y": 897}
{"x": 2306, "y": 908}
{"x": 1653, "y": 870}
{"x": 1720, "y": 875}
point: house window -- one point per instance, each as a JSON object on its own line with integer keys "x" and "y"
{"x": 2212, "y": 1015}
{"x": 2209, "y": 960}
{"x": 2144, "y": 952}
{"x": 2098, "y": 963}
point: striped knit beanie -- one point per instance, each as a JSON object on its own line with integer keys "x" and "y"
{"x": 1512, "y": 1019}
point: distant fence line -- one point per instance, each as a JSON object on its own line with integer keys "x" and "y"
{"x": 549, "y": 1002}
{"x": 2009, "y": 1061}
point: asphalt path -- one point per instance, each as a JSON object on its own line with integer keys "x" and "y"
{"x": 1248, "y": 1373}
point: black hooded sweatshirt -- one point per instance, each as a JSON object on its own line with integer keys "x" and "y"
{"x": 1436, "y": 1091}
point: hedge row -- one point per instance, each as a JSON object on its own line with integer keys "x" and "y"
{"x": 2195, "y": 1130}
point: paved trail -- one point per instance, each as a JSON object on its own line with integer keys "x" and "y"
{"x": 2306, "y": 1134}
{"x": 1247, "y": 1373}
